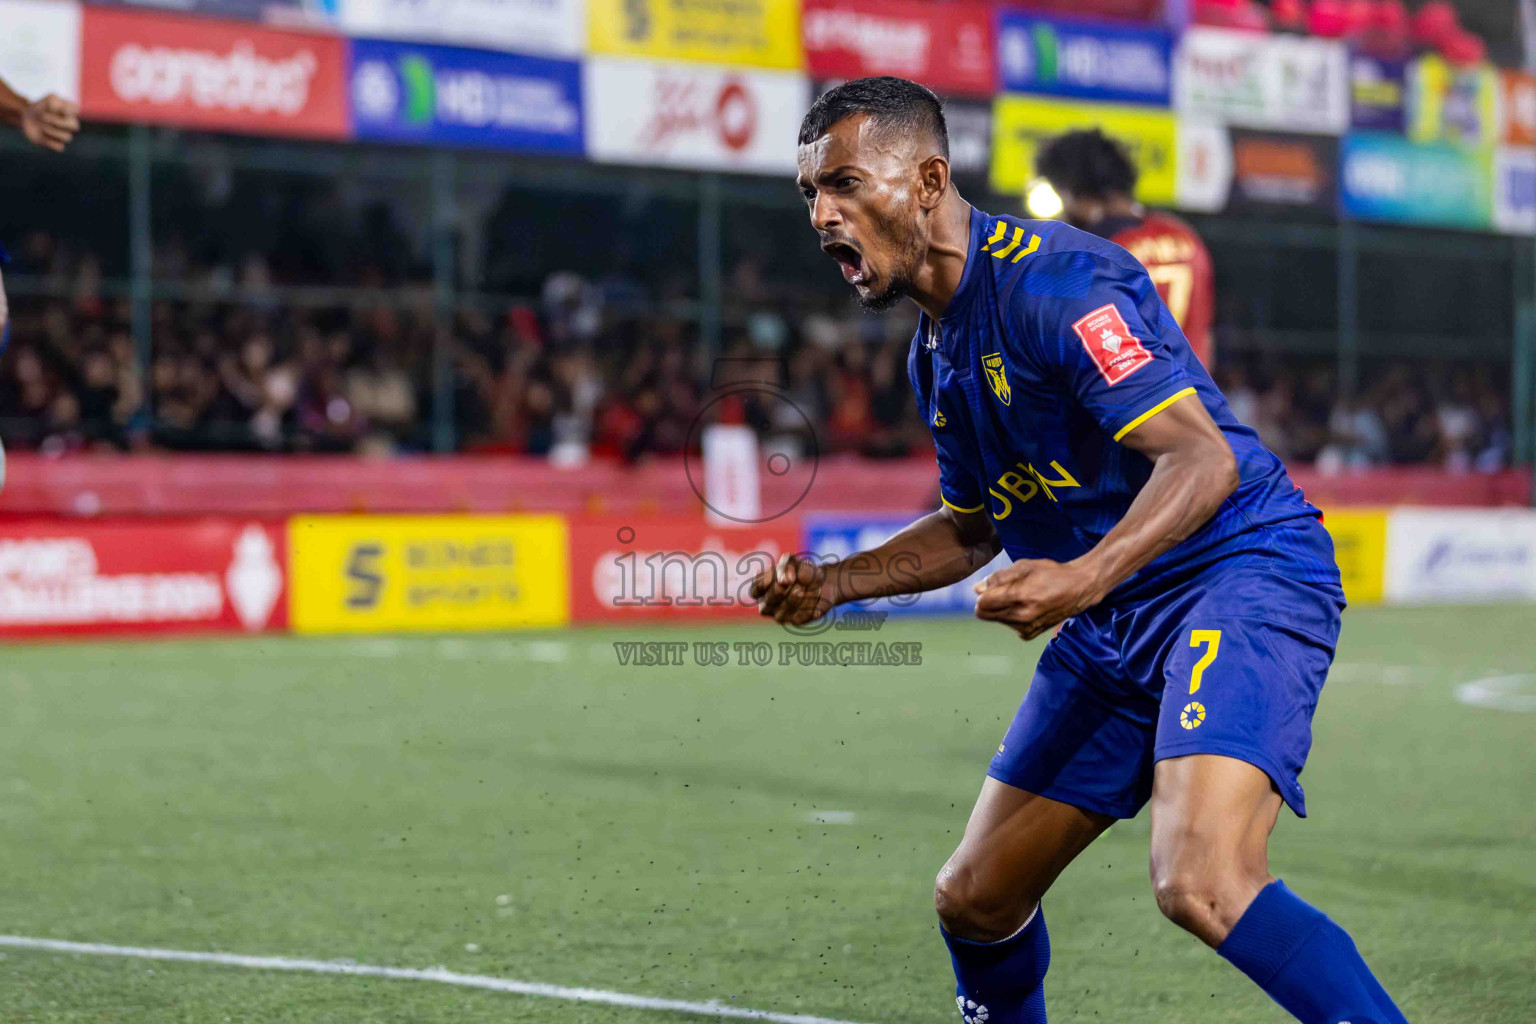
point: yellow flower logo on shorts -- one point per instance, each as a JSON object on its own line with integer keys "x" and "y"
{"x": 1192, "y": 715}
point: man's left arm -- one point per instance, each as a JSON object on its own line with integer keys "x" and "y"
{"x": 1193, "y": 472}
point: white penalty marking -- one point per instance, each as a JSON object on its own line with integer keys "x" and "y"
{"x": 441, "y": 975}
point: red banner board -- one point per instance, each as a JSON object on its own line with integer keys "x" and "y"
{"x": 640, "y": 568}
{"x": 142, "y": 576}
{"x": 210, "y": 74}
{"x": 946, "y": 46}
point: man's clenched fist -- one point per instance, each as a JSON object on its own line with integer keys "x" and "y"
{"x": 50, "y": 122}
{"x": 794, "y": 592}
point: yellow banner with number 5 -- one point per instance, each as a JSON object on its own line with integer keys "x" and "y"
{"x": 373, "y": 574}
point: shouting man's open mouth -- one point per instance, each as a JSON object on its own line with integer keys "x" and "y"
{"x": 849, "y": 258}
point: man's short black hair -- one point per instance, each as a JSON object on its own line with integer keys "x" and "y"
{"x": 1086, "y": 163}
{"x": 893, "y": 103}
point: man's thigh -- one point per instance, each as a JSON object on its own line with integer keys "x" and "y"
{"x": 1241, "y": 672}
{"x": 1084, "y": 733}
{"x": 1015, "y": 845}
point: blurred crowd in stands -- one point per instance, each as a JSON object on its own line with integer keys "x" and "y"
{"x": 583, "y": 371}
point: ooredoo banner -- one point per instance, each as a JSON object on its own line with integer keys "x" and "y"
{"x": 141, "y": 576}
{"x": 641, "y": 568}
{"x": 449, "y": 95}
{"x": 527, "y": 26}
{"x": 948, "y": 47}
{"x": 217, "y": 75}
{"x": 40, "y": 47}
{"x": 692, "y": 115}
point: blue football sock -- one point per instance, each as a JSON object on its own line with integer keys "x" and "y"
{"x": 1306, "y": 963}
{"x": 1002, "y": 982}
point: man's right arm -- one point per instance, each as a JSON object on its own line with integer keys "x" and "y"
{"x": 941, "y": 548}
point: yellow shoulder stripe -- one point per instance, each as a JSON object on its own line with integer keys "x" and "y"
{"x": 957, "y": 508}
{"x": 997, "y": 236}
{"x": 1159, "y": 407}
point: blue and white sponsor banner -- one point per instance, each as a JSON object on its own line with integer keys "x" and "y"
{"x": 1387, "y": 178}
{"x": 1259, "y": 81}
{"x": 556, "y": 27}
{"x": 1442, "y": 555}
{"x": 448, "y": 95}
{"x": 832, "y": 535}
{"x": 1088, "y": 60}
{"x": 1514, "y": 190}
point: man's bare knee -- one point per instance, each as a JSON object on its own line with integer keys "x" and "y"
{"x": 1206, "y": 902}
{"x": 974, "y": 909}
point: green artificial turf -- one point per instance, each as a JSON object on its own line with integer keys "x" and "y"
{"x": 527, "y": 807}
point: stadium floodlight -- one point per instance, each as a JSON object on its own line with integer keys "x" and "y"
{"x": 1041, "y": 200}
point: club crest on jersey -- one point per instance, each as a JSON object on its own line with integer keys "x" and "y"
{"x": 938, "y": 418}
{"x": 997, "y": 376}
{"x": 1114, "y": 349}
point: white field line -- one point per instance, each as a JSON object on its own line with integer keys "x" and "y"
{"x": 441, "y": 975}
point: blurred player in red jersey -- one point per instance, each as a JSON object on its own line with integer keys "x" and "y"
{"x": 1096, "y": 181}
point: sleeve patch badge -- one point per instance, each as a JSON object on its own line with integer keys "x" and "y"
{"x": 1114, "y": 349}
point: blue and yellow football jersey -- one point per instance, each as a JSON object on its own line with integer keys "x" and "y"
{"x": 1055, "y": 346}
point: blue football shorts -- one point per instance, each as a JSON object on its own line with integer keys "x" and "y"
{"x": 1229, "y": 661}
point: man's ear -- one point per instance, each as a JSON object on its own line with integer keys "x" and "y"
{"x": 933, "y": 182}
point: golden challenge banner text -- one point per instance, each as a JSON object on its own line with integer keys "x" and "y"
{"x": 373, "y": 574}
{"x": 758, "y": 33}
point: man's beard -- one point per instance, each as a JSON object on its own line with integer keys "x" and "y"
{"x": 912, "y": 251}
{"x": 887, "y": 299}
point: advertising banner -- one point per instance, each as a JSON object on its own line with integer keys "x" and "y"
{"x": 445, "y": 95}
{"x": 1021, "y": 123}
{"x": 40, "y": 47}
{"x": 1204, "y": 165}
{"x": 1466, "y": 555}
{"x": 375, "y": 574}
{"x": 970, "y": 137}
{"x": 1270, "y": 169}
{"x": 1514, "y": 190}
{"x": 1262, "y": 81}
{"x": 692, "y": 115}
{"x": 1378, "y": 93}
{"x": 1388, "y": 178}
{"x": 1517, "y": 103}
{"x": 141, "y": 576}
{"x": 556, "y": 27}
{"x": 286, "y": 11}
{"x": 1450, "y": 104}
{"x": 640, "y": 568}
{"x": 838, "y": 536}
{"x": 1360, "y": 546}
{"x": 948, "y": 47}
{"x": 1084, "y": 59}
{"x": 214, "y": 75}
{"x": 760, "y": 33}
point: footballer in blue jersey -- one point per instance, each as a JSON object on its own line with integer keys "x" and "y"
{"x": 1195, "y": 588}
